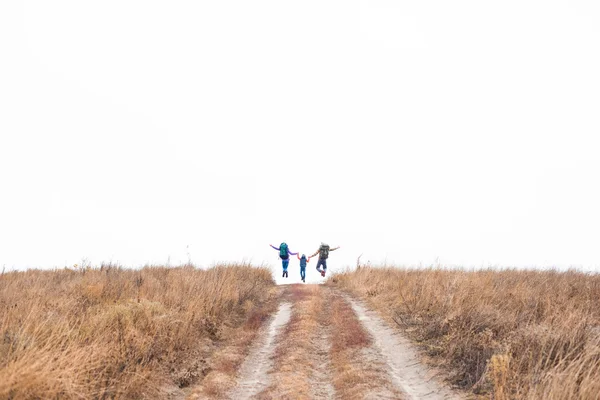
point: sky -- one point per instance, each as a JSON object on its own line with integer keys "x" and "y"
{"x": 412, "y": 133}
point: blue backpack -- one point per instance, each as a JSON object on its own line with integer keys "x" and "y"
{"x": 283, "y": 250}
{"x": 303, "y": 261}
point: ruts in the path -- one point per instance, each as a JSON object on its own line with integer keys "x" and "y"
{"x": 322, "y": 344}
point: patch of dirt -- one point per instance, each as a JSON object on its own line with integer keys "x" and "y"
{"x": 254, "y": 372}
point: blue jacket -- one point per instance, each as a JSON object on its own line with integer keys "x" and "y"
{"x": 303, "y": 261}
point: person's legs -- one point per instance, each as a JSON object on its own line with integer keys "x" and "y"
{"x": 323, "y": 263}
{"x": 319, "y": 263}
{"x": 285, "y": 264}
{"x": 302, "y": 273}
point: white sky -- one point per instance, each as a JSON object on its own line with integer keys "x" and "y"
{"x": 409, "y": 131}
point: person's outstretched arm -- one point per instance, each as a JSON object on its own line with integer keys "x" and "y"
{"x": 316, "y": 252}
{"x": 335, "y": 248}
{"x": 297, "y": 255}
{"x": 293, "y": 254}
{"x": 276, "y": 248}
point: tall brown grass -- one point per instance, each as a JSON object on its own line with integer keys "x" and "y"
{"x": 501, "y": 334}
{"x": 118, "y": 333}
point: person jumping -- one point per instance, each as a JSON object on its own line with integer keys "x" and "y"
{"x": 323, "y": 253}
{"x": 284, "y": 254}
{"x": 303, "y": 261}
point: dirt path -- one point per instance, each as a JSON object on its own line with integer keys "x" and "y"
{"x": 300, "y": 364}
{"x": 322, "y": 344}
{"x": 254, "y": 371}
{"x": 407, "y": 372}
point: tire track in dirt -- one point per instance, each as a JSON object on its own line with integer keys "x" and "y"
{"x": 254, "y": 371}
{"x": 406, "y": 370}
{"x": 359, "y": 370}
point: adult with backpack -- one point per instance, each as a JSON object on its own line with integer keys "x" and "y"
{"x": 284, "y": 254}
{"x": 323, "y": 253}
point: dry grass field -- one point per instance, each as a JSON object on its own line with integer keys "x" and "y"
{"x": 505, "y": 334}
{"x": 174, "y": 333}
{"x": 117, "y": 333}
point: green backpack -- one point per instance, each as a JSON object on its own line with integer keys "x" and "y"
{"x": 283, "y": 250}
{"x": 324, "y": 252}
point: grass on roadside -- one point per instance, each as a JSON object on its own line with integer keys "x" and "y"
{"x": 511, "y": 334}
{"x": 118, "y": 333}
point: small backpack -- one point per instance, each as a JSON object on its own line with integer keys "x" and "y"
{"x": 283, "y": 250}
{"x": 324, "y": 252}
{"x": 303, "y": 261}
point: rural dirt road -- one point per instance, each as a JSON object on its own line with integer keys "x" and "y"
{"x": 323, "y": 344}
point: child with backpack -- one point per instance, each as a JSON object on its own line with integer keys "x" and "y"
{"x": 303, "y": 261}
{"x": 284, "y": 254}
{"x": 323, "y": 253}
